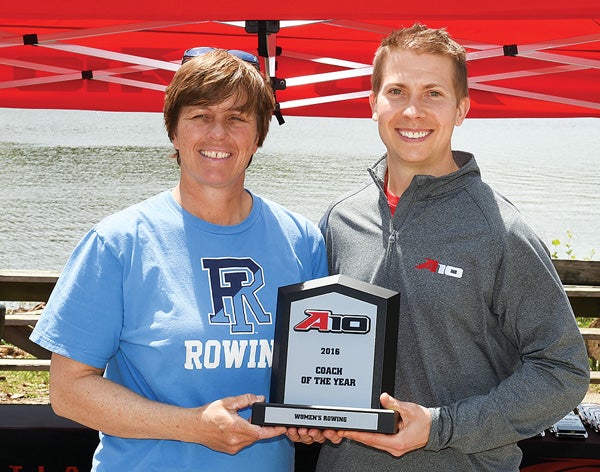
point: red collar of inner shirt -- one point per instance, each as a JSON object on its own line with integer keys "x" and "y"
{"x": 391, "y": 198}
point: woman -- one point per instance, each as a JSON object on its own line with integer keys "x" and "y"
{"x": 161, "y": 324}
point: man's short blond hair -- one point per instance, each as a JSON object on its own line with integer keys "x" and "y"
{"x": 420, "y": 39}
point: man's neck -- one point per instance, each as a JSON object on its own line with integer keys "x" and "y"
{"x": 401, "y": 174}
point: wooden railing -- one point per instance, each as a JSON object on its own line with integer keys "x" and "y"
{"x": 24, "y": 286}
{"x": 581, "y": 281}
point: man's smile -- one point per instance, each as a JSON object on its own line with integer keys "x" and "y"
{"x": 413, "y": 134}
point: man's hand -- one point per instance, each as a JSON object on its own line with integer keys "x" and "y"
{"x": 413, "y": 433}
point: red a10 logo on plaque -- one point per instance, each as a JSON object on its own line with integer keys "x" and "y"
{"x": 327, "y": 322}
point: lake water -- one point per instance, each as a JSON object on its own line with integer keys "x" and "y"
{"x": 62, "y": 171}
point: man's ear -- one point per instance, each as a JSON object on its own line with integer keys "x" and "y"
{"x": 462, "y": 110}
{"x": 373, "y": 103}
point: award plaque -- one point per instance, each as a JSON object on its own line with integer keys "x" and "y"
{"x": 334, "y": 354}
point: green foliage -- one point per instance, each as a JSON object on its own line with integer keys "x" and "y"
{"x": 584, "y": 322}
{"x": 567, "y": 245}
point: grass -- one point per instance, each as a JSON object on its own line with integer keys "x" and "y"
{"x": 23, "y": 387}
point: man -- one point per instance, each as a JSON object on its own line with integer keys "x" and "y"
{"x": 489, "y": 352}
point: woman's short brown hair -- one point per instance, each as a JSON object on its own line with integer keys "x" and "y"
{"x": 214, "y": 77}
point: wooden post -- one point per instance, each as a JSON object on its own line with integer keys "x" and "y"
{"x": 2, "y": 316}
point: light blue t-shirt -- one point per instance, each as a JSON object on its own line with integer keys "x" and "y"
{"x": 181, "y": 311}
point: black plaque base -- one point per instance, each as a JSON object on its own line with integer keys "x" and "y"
{"x": 325, "y": 417}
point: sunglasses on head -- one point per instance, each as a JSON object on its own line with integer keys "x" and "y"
{"x": 243, "y": 55}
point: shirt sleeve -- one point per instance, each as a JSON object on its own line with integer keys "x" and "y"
{"x": 553, "y": 376}
{"x": 84, "y": 314}
{"x": 319, "y": 257}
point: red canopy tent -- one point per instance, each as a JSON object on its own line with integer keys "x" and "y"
{"x": 534, "y": 58}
